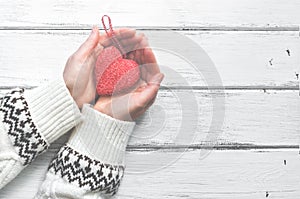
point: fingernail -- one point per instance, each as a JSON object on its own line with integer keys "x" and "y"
{"x": 158, "y": 78}
{"x": 99, "y": 46}
{"x": 94, "y": 29}
{"x": 144, "y": 85}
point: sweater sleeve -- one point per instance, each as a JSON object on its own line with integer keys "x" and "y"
{"x": 29, "y": 122}
{"x": 91, "y": 164}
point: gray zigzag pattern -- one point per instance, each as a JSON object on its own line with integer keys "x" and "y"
{"x": 20, "y": 128}
{"x": 85, "y": 172}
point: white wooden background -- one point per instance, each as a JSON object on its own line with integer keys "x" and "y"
{"x": 261, "y": 127}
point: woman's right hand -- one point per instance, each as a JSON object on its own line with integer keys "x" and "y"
{"x": 131, "y": 105}
{"x": 79, "y": 70}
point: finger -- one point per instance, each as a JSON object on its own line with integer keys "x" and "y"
{"x": 145, "y": 57}
{"x": 90, "y": 61}
{"x": 86, "y": 48}
{"x": 141, "y": 111}
{"x": 87, "y": 69}
{"x": 150, "y": 57}
{"x": 150, "y": 69}
{"x": 141, "y": 85}
{"x": 97, "y": 51}
{"x": 146, "y": 96}
{"x": 157, "y": 79}
{"x": 150, "y": 103}
{"x": 144, "y": 43}
{"x": 131, "y": 44}
{"x": 122, "y": 33}
{"x": 139, "y": 50}
{"x": 137, "y": 39}
{"x": 150, "y": 92}
{"x": 132, "y": 40}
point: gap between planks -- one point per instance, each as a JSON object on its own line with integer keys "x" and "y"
{"x": 233, "y": 146}
{"x": 202, "y": 146}
{"x": 191, "y": 147}
{"x": 258, "y": 88}
{"x": 161, "y": 28}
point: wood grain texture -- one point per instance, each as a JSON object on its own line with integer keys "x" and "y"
{"x": 241, "y": 59}
{"x": 221, "y": 174}
{"x": 250, "y": 117}
{"x": 178, "y": 13}
{"x": 246, "y": 40}
{"x": 181, "y": 118}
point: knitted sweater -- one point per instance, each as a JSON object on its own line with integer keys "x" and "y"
{"x": 90, "y": 165}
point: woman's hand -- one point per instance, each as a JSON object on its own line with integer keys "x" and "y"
{"x": 131, "y": 105}
{"x": 79, "y": 70}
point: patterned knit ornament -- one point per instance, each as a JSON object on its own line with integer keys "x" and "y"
{"x": 115, "y": 73}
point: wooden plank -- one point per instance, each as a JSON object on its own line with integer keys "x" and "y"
{"x": 253, "y": 119}
{"x": 221, "y": 174}
{"x": 229, "y": 174}
{"x": 242, "y": 59}
{"x": 178, "y": 13}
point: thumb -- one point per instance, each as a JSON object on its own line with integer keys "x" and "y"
{"x": 86, "y": 48}
{"x": 150, "y": 92}
{"x": 156, "y": 79}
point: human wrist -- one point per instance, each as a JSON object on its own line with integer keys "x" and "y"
{"x": 53, "y": 109}
{"x": 106, "y": 107}
{"x": 101, "y": 136}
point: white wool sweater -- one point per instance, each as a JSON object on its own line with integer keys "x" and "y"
{"x": 90, "y": 165}
{"x": 29, "y": 122}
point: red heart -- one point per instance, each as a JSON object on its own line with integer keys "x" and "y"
{"x": 113, "y": 73}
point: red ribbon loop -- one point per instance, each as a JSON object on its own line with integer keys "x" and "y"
{"x": 111, "y": 34}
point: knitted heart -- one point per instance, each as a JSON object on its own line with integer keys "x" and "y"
{"x": 113, "y": 73}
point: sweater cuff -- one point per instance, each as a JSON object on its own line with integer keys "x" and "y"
{"x": 101, "y": 137}
{"x": 53, "y": 109}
